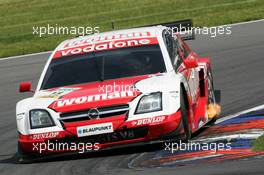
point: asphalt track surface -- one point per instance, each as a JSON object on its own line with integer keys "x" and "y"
{"x": 238, "y": 67}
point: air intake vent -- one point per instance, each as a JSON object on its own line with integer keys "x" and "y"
{"x": 94, "y": 113}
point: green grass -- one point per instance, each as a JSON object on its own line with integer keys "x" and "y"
{"x": 17, "y": 17}
{"x": 258, "y": 145}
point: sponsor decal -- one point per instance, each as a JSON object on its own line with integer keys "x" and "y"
{"x": 114, "y": 136}
{"x": 105, "y": 46}
{"x": 57, "y": 93}
{"x": 93, "y": 98}
{"x": 103, "y": 38}
{"x": 47, "y": 135}
{"x": 151, "y": 120}
{"x": 96, "y": 129}
{"x": 20, "y": 116}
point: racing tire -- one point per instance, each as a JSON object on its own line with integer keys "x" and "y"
{"x": 21, "y": 156}
{"x": 184, "y": 115}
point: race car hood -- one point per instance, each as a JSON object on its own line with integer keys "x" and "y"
{"x": 101, "y": 94}
{"x": 91, "y": 95}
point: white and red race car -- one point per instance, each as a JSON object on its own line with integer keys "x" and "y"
{"x": 115, "y": 89}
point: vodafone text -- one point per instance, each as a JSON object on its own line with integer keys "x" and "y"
{"x": 105, "y": 46}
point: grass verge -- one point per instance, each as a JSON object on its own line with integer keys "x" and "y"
{"x": 18, "y": 17}
{"x": 258, "y": 145}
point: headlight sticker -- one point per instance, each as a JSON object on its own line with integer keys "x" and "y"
{"x": 20, "y": 116}
{"x": 56, "y": 94}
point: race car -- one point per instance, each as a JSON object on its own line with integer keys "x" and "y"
{"x": 116, "y": 89}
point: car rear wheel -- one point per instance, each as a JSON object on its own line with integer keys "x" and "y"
{"x": 211, "y": 92}
{"x": 21, "y": 156}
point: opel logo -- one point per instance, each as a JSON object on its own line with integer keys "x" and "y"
{"x": 93, "y": 113}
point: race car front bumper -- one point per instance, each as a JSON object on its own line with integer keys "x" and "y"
{"x": 159, "y": 128}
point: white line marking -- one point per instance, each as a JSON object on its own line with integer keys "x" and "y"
{"x": 250, "y": 135}
{"x": 242, "y": 23}
{"x": 19, "y": 56}
{"x": 239, "y": 113}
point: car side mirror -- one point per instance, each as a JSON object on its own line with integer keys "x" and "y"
{"x": 190, "y": 63}
{"x": 25, "y": 87}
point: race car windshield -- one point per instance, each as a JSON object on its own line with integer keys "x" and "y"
{"x": 104, "y": 65}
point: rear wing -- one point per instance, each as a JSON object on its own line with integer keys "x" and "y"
{"x": 183, "y": 27}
